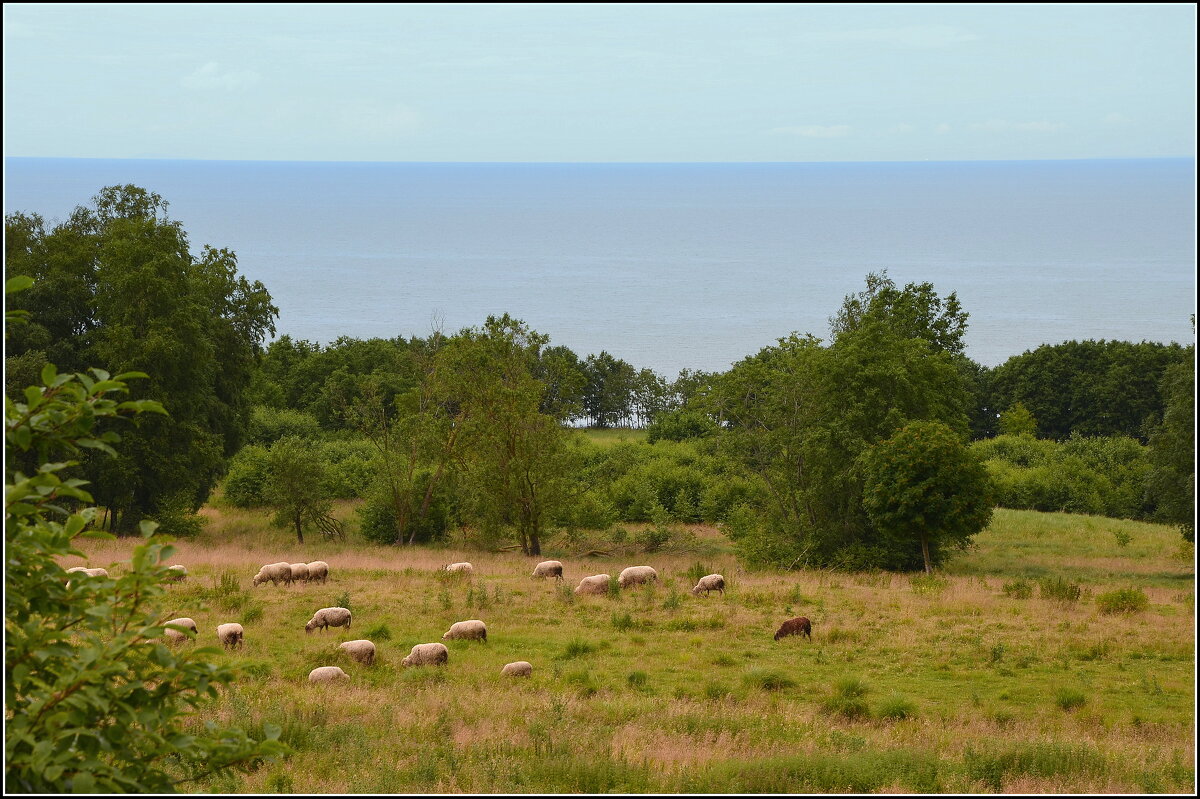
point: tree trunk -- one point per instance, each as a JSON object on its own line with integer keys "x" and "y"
{"x": 925, "y": 552}
{"x": 299, "y": 530}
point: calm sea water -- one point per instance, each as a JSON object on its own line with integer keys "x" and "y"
{"x": 680, "y": 265}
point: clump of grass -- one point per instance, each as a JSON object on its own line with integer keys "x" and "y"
{"x": 256, "y": 669}
{"x": 768, "y": 680}
{"x": 565, "y": 594}
{"x": 623, "y": 621}
{"x": 1060, "y": 589}
{"x": 1041, "y": 760}
{"x": 380, "y": 632}
{"x": 252, "y": 613}
{"x": 636, "y": 679}
{"x": 1018, "y": 589}
{"x": 846, "y": 699}
{"x": 280, "y": 782}
{"x": 1123, "y": 538}
{"x": 343, "y": 601}
{"x": 614, "y": 588}
{"x": 576, "y": 647}
{"x": 673, "y": 601}
{"x": 226, "y": 585}
{"x": 928, "y": 584}
{"x": 837, "y": 634}
{"x": 1123, "y": 600}
{"x": 681, "y": 625}
{"x": 996, "y": 654}
{"x": 715, "y": 690}
{"x": 723, "y": 660}
{"x": 584, "y": 682}
{"x": 1069, "y": 698}
{"x": 896, "y": 708}
{"x": 444, "y": 599}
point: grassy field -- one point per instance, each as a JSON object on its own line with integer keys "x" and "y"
{"x": 972, "y": 681}
{"x": 608, "y": 437}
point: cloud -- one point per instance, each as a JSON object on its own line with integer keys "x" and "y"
{"x": 908, "y": 36}
{"x": 1003, "y": 125}
{"x": 814, "y": 131}
{"x": 210, "y": 76}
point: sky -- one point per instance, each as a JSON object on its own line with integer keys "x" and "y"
{"x": 596, "y": 82}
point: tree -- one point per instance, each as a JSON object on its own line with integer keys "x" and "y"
{"x": 608, "y": 396}
{"x": 296, "y": 488}
{"x": 94, "y": 702}
{"x": 117, "y": 285}
{"x": 924, "y": 485}
{"x": 1017, "y": 421}
{"x": 1172, "y": 481}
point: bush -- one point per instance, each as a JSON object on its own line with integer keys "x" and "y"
{"x": 268, "y": 425}
{"x": 680, "y": 425}
{"x": 247, "y": 477}
{"x": 1059, "y": 589}
{"x": 1018, "y": 589}
{"x": 1123, "y": 600}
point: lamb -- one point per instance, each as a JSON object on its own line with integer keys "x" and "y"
{"x": 710, "y": 582}
{"x": 797, "y": 626}
{"x": 318, "y": 570}
{"x": 327, "y": 674}
{"x": 427, "y": 655}
{"x": 461, "y": 568}
{"x": 596, "y": 584}
{"x": 637, "y": 575}
{"x": 549, "y": 568}
{"x": 175, "y": 636}
{"x": 521, "y": 668}
{"x": 178, "y": 572}
{"x": 299, "y": 572}
{"x": 328, "y": 617}
{"x": 275, "y": 572}
{"x": 231, "y": 635}
{"x": 473, "y": 630}
{"x": 361, "y": 650}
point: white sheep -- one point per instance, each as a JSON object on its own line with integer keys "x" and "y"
{"x": 521, "y": 668}
{"x": 175, "y": 636}
{"x": 549, "y": 568}
{"x": 328, "y": 617}
{"x": 460, "y": 568}
{"x": 327, "y": 674}
{"x": 318, "y": 570}
{"x": 637, "y": 575}
{"x": 710, "y": 582}
{"x": 275, "y": 572}
{"x": 230, "y": 634}
{"x": 596, "y": 584}
{"x": 178, "y": 572}
{"x": 472, "y": 630}
{"x": 361, "y": 650}
{"x": 299, "y": 572}
{"x": 427, "y": 655}
{"x": 89, "y": 572}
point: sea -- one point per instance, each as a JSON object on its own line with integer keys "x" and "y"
{"x": 679, "y": 266}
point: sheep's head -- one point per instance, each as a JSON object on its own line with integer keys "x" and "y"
{"x": 696, "y": 591}
{"x": 308, "y": 628}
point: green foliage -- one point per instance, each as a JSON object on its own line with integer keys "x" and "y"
{"x": 1069, "y": 698}
{"x": 1042, "y": 760}
{"x": 1018, "y": 421}
{"x": 1123, "y": 600}
{"x": 297, "y": 488}
{"x": 1018, "y": 589}
{"x": 896, "y": 708}
{"x": 576, "y": 647}
{"x": 768, "y": 680}
{"x": 924, "y": 486}
{"x": 95, "y": 701}
{"x": 243, "y": 486}
{"x": 1171, "y": 483}
{"x": 268, "y": 425}
{"x": 1060, "y": 589}
{"x": 680, "y": 425}
{"x": 846, "y": 699}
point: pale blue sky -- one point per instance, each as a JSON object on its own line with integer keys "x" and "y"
{"x": 600, "y": 82}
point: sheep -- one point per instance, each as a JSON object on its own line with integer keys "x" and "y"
{"x": 549, "y": 568}
{"x": 175, "y": 636}
{"x": 361, "y": 650}
{"x": 231, "y": 635}
{"x": 711, "y": 582}
{"x": 521, "y": 668}
{"x": 178, "y": 572}
{"x": 318, "y": 570}
{"x": 637, "y": 575}
{"x": 89, "y": 572}
{"x": 299, "y": 572}
{"x": 327, "y": 674}
{"x": 797, "y": 626}
{"x": 328, "y": 617}
{"x": 596, "y": 584}
{"x": 460, "y": 568}
{"x": 275, "y": 572}
{"x": 473, "y": 630}
{"x": 427, "y": 655}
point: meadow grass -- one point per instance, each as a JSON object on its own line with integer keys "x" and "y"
{"x": 908, "y": 685}
{"x": 610, "y": 436}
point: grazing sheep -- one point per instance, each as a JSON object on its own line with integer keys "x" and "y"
{"x": 175, "y": 636}
{"x": 230, "y": 634}
{"x": 328, "y": 617}
{"x": 797, "y": 626}
{"x": 711, "y": 582}
{"x": 461, "y": 568}
{"x": 327, "y": 674}
{"x": 361, "y": 650}
{"x": 178, "y": 572}
{"x": 427, "y": 655}
{"x": 519, "y": 669}
{"x": 89, "y": 572}
{"x": 299, "y": 572}
{"x": 473, "y": 630}
{"x": 275, "y": 572}
{"x": 596, "y": 584}
{"x": 549, "y": 568}
{"x": 318, "y": 570}
{"x": 637, "y": 575}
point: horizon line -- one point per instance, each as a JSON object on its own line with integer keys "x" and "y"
{"x": 600, "y": 163}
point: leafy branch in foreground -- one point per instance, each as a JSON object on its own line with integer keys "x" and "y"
{"x": 94, "y": 700}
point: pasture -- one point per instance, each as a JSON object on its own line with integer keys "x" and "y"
{"x": 979, "y": 679}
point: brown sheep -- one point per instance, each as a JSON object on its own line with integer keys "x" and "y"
{"x": 797, "y": 626}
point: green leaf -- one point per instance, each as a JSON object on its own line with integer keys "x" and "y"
{"x": 17, "y": 283}
{"x": 49, "y": 373}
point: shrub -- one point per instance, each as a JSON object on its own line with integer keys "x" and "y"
{"x": 1059, "y": 589}
{"x": 680, "y": 425}
{"x": 1123, "y": 600}
{"x": 247, "y": 476}
{"x": 1018, "y": 589}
